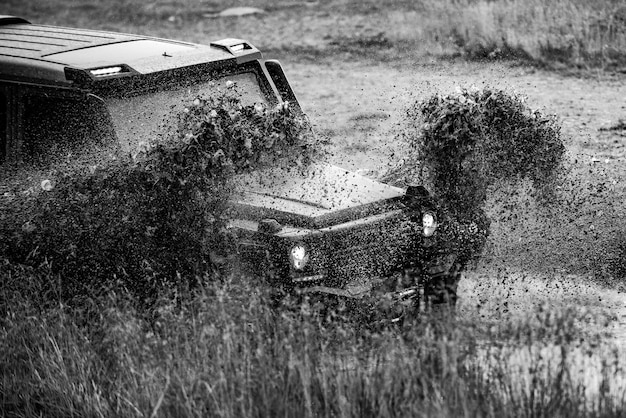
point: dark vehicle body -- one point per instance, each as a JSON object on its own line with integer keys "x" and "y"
{"x": 75, "y": 94}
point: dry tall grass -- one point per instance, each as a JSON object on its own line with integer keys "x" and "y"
{"x": 222, "y": 352}
{"x": 563, "y": 31}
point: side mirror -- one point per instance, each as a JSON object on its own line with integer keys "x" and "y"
{"x": 417, "y": 191}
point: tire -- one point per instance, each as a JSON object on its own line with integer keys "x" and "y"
{"x": 440, "y": 291}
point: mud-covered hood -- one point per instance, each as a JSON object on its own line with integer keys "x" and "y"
{"x": 318, "y": 195}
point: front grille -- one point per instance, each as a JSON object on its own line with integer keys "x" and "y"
{"x": 371, "y": 250}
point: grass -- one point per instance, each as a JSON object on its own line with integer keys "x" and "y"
{"x": 558, "y": 33}
{"x": 222, "y": 352}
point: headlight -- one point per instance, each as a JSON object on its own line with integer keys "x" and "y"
{"x": 299, "y": 256}
{"x": 429, "y": 224}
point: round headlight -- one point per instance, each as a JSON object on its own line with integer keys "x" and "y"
{"x": 429, "y": 224}
{"x": 299, "y": 256}
{"x": 428, "y": 220}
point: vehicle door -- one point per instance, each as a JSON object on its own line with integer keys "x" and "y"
{"x": 60, "y": 126}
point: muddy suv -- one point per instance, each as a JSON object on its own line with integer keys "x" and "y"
{"x": 81, "y": 94}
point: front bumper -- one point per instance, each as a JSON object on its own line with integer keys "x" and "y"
{"x": 352, "y": 258}
{"x": 395, "y": 285}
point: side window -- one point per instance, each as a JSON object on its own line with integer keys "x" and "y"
{"x": 57, "y": 128}
{"x": 4, "y": 121}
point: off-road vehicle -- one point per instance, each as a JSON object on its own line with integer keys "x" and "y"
{"x": 67, "y": 91}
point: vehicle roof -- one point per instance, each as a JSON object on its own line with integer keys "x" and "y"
{"x": 42, "y": 52}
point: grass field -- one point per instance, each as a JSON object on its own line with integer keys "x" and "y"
{"x": 542, "y": 317}
{"x": 223, "y": 353}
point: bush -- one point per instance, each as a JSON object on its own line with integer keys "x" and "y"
{"x": 468, "y": 142}
{"x": 157, "y": 218}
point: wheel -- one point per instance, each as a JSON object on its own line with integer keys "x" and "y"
{"x": 440, "y": 291}
{"x": 281, "y": 293}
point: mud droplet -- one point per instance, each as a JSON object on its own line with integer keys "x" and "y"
{"x": 46, "y": 185}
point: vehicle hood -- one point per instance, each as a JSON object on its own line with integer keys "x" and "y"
{"x": 315, "y": 196}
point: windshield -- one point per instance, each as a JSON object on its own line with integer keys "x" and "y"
{"x": 146, "y": 117}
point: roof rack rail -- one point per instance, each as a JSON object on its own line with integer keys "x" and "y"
{"x": 11, "y": 20}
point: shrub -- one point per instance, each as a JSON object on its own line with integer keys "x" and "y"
{"x": 157, "y": 218}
